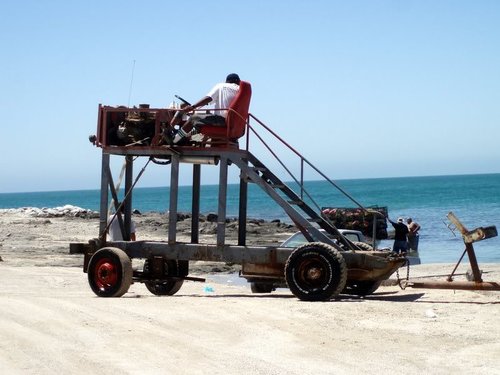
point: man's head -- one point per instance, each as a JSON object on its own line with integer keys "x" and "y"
{"x": 400, "y": 220}
{"x": 233, "y": 78}
{"x": 409, "y": 220}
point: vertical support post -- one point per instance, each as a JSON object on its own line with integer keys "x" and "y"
{"x": 374, "y": 230}
{"x": 473, "y": 263}
{"x": 242, "y": 212}
{"x": 174, "y": 192}
{"x": 129, "y": 169}
{"x": 103, "y": 209}
{"x": 195, "y": 210}
{"x": 221, "y": 217}
{"x": 118, "y": 216}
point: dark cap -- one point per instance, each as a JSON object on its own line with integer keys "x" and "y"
{"x": 233, "y": 78}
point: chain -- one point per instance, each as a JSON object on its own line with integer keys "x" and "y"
{"x": 407, "y": 275}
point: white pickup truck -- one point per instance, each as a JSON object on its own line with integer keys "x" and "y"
{"x": 298, "y": 238}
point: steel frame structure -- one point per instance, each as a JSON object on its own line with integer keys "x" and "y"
{"x": 258, "y": 262}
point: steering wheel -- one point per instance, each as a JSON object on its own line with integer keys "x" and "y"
{"x": 178, "y": 114}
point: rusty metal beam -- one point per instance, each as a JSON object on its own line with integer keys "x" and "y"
{"x": 456, "y": 285}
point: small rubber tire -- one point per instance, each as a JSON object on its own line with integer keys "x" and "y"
{"x": 110, "y": 272}
{"x": 169, "y": 287}
{"x": 316, "y": 271}
{"x": 362, "y": 288}
{"x": 164, "y": 288}
{"x": 259, "y": 287}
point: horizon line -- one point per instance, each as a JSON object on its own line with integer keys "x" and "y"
{"x": 235, "y": 183}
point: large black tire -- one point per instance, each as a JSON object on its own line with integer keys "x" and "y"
{"x": 363, "y": 246}
{"x": 110, "y": 272}
{"x": 260, "y": 287}
{"x": 173, "y": 268}
{"x": 316, "y": 271}
{"x": 362, "y": 288}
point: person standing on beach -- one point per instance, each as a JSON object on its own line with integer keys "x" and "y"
{"x": 413, "y": 229}
{"x": 114, "y": 230}
{"x": 400, "y": 236}
{"x": 222, "y": 94}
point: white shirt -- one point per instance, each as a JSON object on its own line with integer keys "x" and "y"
{"x": 222, "y": 95}
{"x": 114, "y": 231}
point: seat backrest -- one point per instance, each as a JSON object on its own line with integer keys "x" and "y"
{"x": 238, "y": 111}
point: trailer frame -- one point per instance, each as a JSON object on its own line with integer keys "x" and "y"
{"x": 328, "y": 265}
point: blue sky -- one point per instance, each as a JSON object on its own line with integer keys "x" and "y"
{"x": 361, "y": 88}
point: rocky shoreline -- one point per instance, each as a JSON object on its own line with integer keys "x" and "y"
{"x": 41, "y": 236}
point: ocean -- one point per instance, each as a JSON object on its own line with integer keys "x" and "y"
{"x": 474, "y": 199}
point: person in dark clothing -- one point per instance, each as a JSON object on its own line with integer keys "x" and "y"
{"x": 400, "y": 237}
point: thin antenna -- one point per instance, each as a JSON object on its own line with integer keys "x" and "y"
{"x": 131, "y": 82}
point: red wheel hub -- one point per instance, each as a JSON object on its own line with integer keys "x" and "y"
{"x": 106, "y": 273}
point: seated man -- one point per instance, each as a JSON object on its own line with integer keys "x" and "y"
{"x": 221, "y": 95}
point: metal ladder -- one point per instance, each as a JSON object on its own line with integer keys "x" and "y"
{"x": 301, "y": 213}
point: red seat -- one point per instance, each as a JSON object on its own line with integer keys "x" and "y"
{"x": 236, "y": 117}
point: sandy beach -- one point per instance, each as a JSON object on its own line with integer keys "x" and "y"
{"x": 51, "y": 322}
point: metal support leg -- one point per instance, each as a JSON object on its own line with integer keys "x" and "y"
{"x": 242, "y": 217}
{"x": 129, "y": 169}
{"x": 195, "y": 211}
{"x": 103, "y": 218}
{"x": 374, "y": 231}
{"x": 473, "y": 263}
{"x": 174, "y": 192}
{"x": 221, "y": 218}
{"x": 450, "y": 277}
{"x": 118, "y": 216}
